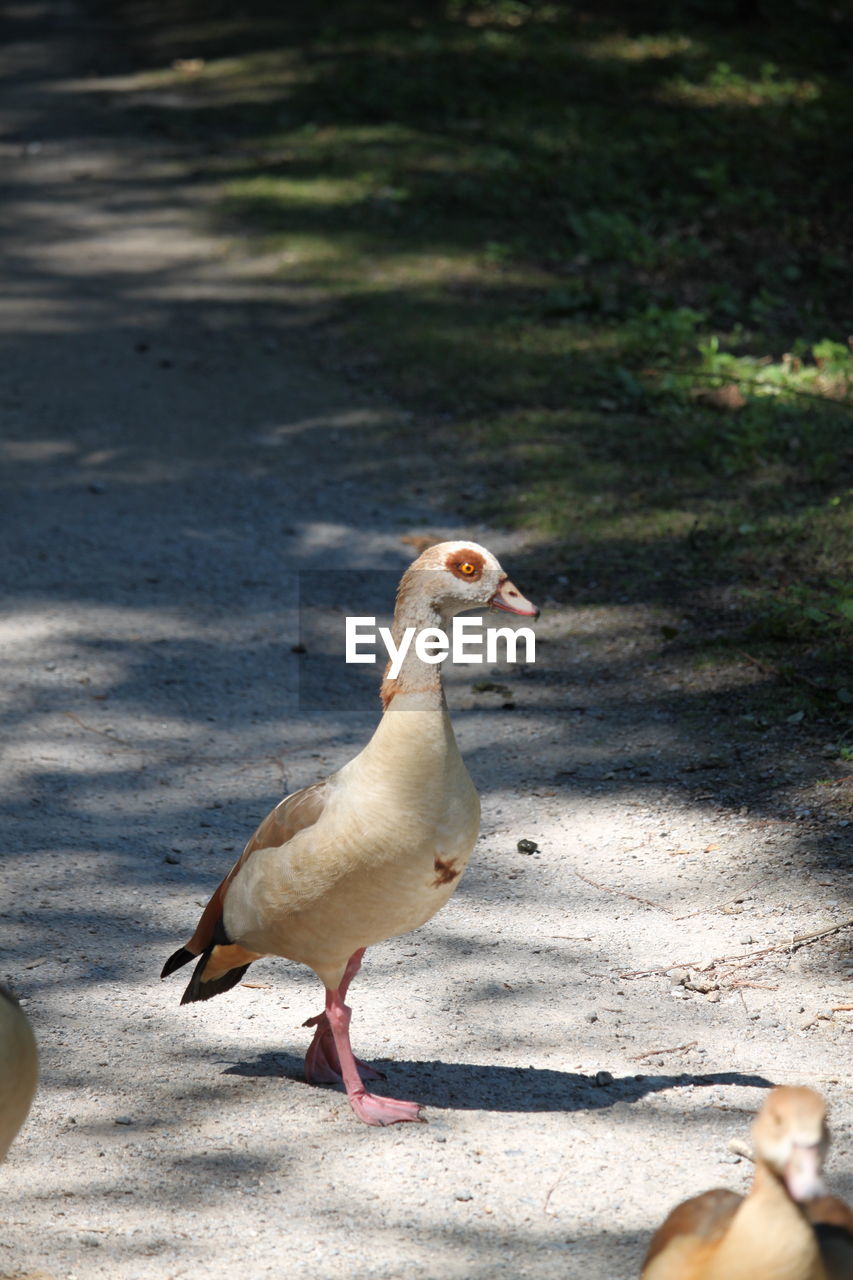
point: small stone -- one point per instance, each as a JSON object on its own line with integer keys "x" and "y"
{"x": 298, "y": 648}
{"x": 591, "y": 1017}
{"x": 123, "y": 1120}
{"x": 527, "y": 846}
{"x": 603, "y": 1078}
{"x": 463, "y": 1195}
{"x": 171, "y": 859}
{"x": 701, "y": 982}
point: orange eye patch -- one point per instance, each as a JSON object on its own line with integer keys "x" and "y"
{"x": 467, "y": 565}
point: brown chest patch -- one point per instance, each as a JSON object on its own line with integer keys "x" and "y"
{"x": 445, "y": 872}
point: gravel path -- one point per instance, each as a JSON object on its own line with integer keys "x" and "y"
{"x": 176, "y": 471}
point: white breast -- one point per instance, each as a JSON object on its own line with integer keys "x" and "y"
{"x": 393, "y": 840}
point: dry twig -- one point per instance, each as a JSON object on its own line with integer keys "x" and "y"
{"x": 791, "y": 945}
{"x": 621, "y": 892}
{"x": 111, "y": 737}
{"x": 676, "y": 1048}
{"x": 552, "y": 1189}
{"x": 741, "y": 894}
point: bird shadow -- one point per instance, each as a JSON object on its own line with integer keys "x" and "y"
{"x": 465, "y": 1086}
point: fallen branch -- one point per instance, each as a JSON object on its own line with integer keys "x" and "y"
{"x": 552, "y": 1189}
{"x": 742, "y": 894}
{"x": 676, "y": 1048}
{"x": 621, "y": 892}
{"x": 792, "y": 945}
{"x": 102, "y": 733}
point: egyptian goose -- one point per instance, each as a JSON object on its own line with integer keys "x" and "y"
{"x": 18, "y": 1068}
{"x": 370, "y": 852}
{"x": 770, "y": 1233}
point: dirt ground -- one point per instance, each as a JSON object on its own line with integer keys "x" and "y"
{"x": 176, "y": 466}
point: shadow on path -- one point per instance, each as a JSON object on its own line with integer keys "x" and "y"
{"x": 467, "y": 1086}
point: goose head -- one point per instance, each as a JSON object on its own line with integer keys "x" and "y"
{"x": 451, "y": 577}
{"x": 791, "y": 1138}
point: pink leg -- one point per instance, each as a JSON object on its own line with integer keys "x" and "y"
{"x": 367, "y": 1106}
{"x": 322, "y": 1065}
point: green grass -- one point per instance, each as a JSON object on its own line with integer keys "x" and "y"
{"x": 603, "y": 252}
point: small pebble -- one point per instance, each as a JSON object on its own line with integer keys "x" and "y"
{"x": 170, "y": 858}
{"x": 123, "y": 1120}
{"x": 527, "y": 846}
{"x": 602, "y": 1078}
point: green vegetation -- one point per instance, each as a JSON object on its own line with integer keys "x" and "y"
{"x": 602, "y": 251}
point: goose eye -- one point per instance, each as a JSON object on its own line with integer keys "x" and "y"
{"x": 467, "y": 568}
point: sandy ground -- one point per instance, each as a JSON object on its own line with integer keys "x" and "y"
{"x": 175, "y": 469}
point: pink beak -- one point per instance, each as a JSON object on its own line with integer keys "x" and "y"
{"x": 802, "y": 1172}
{"x": 510, "y": 599}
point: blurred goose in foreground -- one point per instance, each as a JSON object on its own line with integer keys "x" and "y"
{"x": 18, "y": 1068}
{"x": 832, "y": 1220}
{"x": 372, "y": 851}
{"x": 784, "y": 1229}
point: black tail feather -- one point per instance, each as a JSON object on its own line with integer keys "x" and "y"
{"x": 198, "y": 989}
{"x": 181, "y": 957}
